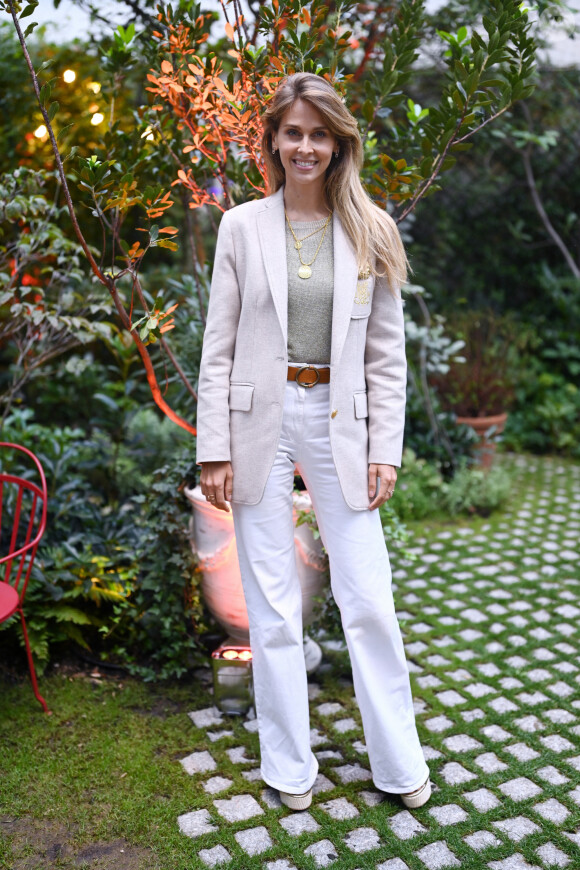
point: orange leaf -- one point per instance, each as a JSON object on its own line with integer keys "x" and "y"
{"x": 170, "y": 230}
{"x": 166, "y": 67}
{"x": 230, "y": 31}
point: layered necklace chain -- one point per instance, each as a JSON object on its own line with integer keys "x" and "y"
{"x": 305, "y": 271}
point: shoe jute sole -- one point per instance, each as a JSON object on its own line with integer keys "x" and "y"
{"x": 296, "y": 801}
{"x": 418, "y": 797}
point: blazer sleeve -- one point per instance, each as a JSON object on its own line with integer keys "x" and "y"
{"x": 386, "y": 375}
{"x": 213, "y": 417}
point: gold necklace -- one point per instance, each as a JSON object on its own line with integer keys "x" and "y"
{"x": 305, "y": 271}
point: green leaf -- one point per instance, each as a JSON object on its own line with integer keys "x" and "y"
{"x": 28, "y": 10}
{"x": 53, "y": 109}
{"x": 166, "y": 243}
{"x": 30, "y": 28}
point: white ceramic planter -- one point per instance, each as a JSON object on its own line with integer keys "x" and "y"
{"x": 213, "y": 540}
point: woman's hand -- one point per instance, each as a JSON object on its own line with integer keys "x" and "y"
{"x": 382, "y": 480}
{"x": 216, "y": 482}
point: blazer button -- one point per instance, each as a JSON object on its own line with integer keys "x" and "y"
{"x": 334, "y": 413}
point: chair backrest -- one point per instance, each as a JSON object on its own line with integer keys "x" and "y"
{"x": 23, "y": 506}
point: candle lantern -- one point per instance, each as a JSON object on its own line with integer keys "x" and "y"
{"x": 232, "y": 679}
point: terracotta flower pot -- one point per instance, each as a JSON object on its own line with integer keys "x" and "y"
{"x": 481, "y": 426}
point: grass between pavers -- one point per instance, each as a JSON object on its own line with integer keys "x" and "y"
{"x": 105, "y": 765}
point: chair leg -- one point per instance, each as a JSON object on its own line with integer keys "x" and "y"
{"x": 39, "y": 697}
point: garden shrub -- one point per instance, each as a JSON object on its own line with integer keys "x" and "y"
{"x": 115, "y": 574}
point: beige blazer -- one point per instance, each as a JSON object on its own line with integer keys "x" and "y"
{"x": 242, "y": 377}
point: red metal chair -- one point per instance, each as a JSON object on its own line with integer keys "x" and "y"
{"x": 23, "y": 503}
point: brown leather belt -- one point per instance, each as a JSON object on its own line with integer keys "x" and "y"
{"x": 308, "y": 376}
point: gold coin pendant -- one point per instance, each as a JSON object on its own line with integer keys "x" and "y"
{"x": 297, "y": 244}
{"x": 304, "y": 272}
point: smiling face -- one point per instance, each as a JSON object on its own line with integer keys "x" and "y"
{"x": 305, "y": 144}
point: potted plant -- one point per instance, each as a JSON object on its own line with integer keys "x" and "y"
{"x": 479, "y": 386}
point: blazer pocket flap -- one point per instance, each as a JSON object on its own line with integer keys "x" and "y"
{"x": 361, "y": 405}
{"x": 241, "y": 397}
{"x": 361, "y": 313}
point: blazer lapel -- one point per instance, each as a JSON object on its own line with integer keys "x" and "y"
{"x": 345, "y": 280}
{"x": 272, "y": 235}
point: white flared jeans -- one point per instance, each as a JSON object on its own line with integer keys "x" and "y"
{"x": 361, "y": 585}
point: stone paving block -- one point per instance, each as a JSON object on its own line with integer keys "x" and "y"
{"x": 451, "y": 698}
{"x": 213, "y": 857}
{"x": 360, "y": 747}
{"x": 352, "y": 773}
{"x": 314, "y": 691}
{"x": 462, "y": 743}
{"x": 480, "y": 840}
{"x": 362, "y": 840}
{"x": 496, "y": 733}
{"x": 448, "y": 814}
{"x": 438, "y": 855}
{"x": 552, "y": 775}
{"x": 522, "y": 751}
{"x": 323, "y": 853}
{"x": 251, "y": 726}
{"x": 339, "y": 809}
{"x": 479, "y": 690}
{"x": 514, "y": 862}
{"x": 552, "y": 856}
{"x": 330, "y": 708}
{"x": 516, "y": 828}
{"x": 573, "y": 761}
{"x": 371, "y": 798}
{"x": 482, "y": 799}
{"x": 219, "y": 735}
{"x": 217, "y": 784}
{"x": 393, "y": 864}
{"x": 329, "y": 754}
{"x": 206, "y": 718}
{"x": 428, "y": 682}
{"x": 198, "y": 762}
{"x": 405, "y": 826}
{"x": 238, "y": 808}
{"x": 472, "y": 715}
{"x": 520, "y": 789}
{"x": 196, "y": 823}
{"x": 560, "y": 717}
{"x": 237, "y": 755}
{"x": 552, "y": 810}
{"x": 502, "y": 705}
{"x": 556, "y": 743}
{"x": 438, "y": 724}
{"x": 344, "y": 725}
{"x": 489, "y": 762}
{"x": 575, "y": 795}
{"x": 532, "y": 699}
{"x": 254, "y": 841}
{"x": 271, "y": 797}
{"x": 429, "y": 752}
{"x": 322, "y": 784}
{"x": 252, "y": 775}
{"x": 299, "y": 823}
{"x": 281, "y": 864}
{"x": 454, "y": 773}
{"x": 530, "y": 724}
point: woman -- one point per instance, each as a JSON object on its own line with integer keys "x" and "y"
{"x": 303, "y": 366}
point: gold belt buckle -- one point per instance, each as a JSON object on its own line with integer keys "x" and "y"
{"x": 304, "y": 369}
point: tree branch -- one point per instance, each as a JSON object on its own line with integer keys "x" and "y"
{"x": 106, "y": 281}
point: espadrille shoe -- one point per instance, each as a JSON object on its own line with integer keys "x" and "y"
{"x": 297, "y": 801}
{"x": 420, "y": 796}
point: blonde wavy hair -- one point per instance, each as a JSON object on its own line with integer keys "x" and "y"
{"x": 372, "y": 231}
